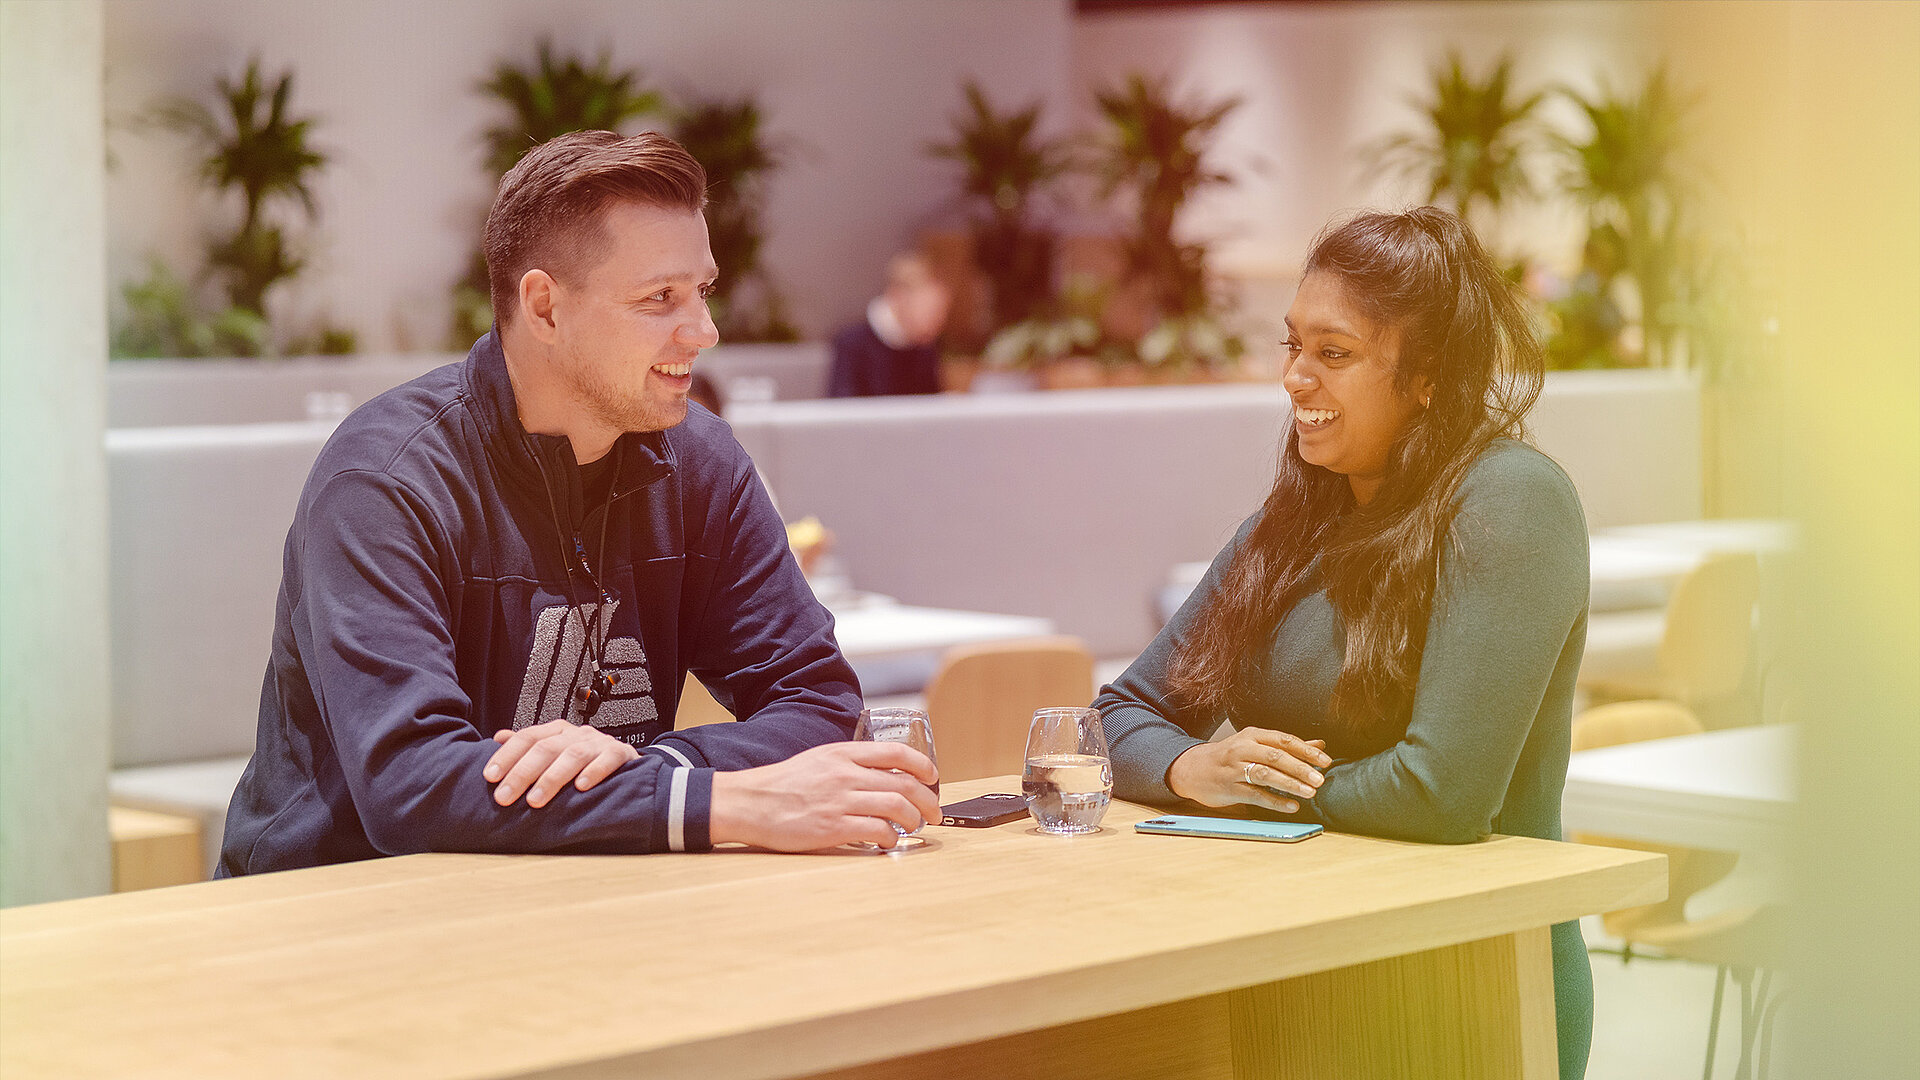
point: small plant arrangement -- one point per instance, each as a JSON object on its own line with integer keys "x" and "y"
{"x": 729, "y": 140}
{"x": 556, "y": 95}
{"x": 1007, "y": 166}
{"x": 255, "y": 147}
{"x": 1066, "y": 328}
{"x": 1191, "y": 343}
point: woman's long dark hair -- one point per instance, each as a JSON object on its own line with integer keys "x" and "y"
{"x": 1462, "y": 328}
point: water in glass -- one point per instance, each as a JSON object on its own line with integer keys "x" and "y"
{"x": 908, "y": 726}
{"x": 1069, "y": 778}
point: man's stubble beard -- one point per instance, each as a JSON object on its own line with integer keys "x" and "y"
{"x": 617, "y": 405}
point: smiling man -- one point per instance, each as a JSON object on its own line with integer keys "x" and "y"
{"x": 499, "y": 575}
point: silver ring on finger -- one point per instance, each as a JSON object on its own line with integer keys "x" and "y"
{"x": 1246, "y": 771}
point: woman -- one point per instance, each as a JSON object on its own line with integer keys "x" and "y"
{"x": 1395, "y": 634}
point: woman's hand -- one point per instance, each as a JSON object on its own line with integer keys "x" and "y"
{"x": 1253, "y": 765}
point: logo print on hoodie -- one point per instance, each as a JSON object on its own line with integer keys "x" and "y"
{"x": 560, "y": 662}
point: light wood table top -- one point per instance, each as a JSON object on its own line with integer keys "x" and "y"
{"x": 738, "y": 963}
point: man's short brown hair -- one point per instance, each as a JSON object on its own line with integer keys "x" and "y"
{"x": 547, "y": 213}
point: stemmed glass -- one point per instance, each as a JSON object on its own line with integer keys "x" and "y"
{"x": 1069, "y": 776}
{"x": 909, "y": 726}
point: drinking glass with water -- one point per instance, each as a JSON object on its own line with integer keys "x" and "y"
{"x": 908, "y": 726}
{"x": 1069, "y": 777}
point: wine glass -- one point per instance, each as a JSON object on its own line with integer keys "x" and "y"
{"x": 1069, "y": 776}
{"x": 909, "y": 726}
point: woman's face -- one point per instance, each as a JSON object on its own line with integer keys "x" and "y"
{"x": 1339, "y": 371}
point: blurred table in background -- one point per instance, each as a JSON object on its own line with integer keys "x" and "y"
{"x": 1731, "y": 790}
{"x": 895, "y": 648}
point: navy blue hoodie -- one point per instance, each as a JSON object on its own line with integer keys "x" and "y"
{"x": 433, "y": 594}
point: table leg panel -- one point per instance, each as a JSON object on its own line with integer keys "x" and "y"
{"x": 1483, "y": 1009}
{"x": 1187, "y": 1040}
{"x": 1478, "y": 1011}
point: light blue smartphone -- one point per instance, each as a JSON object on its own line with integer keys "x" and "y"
{"x": 1279, "y": 832}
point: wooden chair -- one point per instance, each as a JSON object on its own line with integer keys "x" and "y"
{"x": 982, "y": 699}
{"x": 1737, "y": 941}
{"x": 152, "y": 850}
{"x": 698, "y": 707}
{"x": 1706, "y": 644}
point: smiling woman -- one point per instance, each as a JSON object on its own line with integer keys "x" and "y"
{"x": 1395, "y": 633}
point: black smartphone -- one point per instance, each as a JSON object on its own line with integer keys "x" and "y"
{"x": 985, "y": 811}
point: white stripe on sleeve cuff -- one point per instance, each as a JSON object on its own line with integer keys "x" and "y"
{"x": 677, "y": 811}
{"x": 672, "y": 753}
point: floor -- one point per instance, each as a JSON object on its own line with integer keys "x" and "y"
{"x": 1650, "y": 1014}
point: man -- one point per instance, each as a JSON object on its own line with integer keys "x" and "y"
{"x": 499, "y": 574}
{"x": 892, "y": 351}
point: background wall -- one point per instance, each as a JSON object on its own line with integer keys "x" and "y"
{"x": 857, "y": 86}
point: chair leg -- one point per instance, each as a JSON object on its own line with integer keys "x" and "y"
{"x": 1753, "y": 994}
{"x": 1767, "y": 1019}
{"x": 1713, "y": 1026}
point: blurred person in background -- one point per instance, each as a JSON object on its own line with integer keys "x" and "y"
{"x": 500, "y": 574}
{"x": 893, "y": 350}
{"x": 1395, "y": 634}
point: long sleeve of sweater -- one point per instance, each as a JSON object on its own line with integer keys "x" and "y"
{"x": 1510, "y": 598}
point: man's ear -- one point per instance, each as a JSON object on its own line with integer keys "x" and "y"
{"x": 538, "y": 298}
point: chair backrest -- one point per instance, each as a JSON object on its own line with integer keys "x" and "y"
{"x": 1689, "y": 870}
{"x": 982, "y": 699}
{"x": 1631, "y": 722}
{"x": 697, "y": 706}
{"x": 1709, "y": 632}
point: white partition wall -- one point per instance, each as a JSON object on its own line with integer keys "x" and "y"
{"x": 53, "y": 559}
{"x": 1076, "y": 505}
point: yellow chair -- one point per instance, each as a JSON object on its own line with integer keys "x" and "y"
{"x": 1706, "y": 644}
{"x": 982, "y": 699}
{"x": 1738, "y": 941}
{"x": 697, "y": 706}
{"x": 152, "y": 850}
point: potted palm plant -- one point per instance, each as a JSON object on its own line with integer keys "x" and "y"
{"x": 1644, "y": 245}
{"x": 1155, "y": 152}
{"x": 728, "y": 139}
{"x": 1472, "y": 146}
{"x": 254, "y": 146}
{"x": 1007, "y": 167}
{"x": 557, "y": 95}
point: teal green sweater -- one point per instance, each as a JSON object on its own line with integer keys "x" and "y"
{"x": 1485, "y": 750}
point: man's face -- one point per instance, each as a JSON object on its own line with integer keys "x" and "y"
{"x": 920, "y": 302}
{"x": 629, "y": 329}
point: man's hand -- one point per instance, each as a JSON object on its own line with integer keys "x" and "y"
{"x": 824, "y": 797}
{"x": 1253, "y": 765}
{"x": 539, "y": 760}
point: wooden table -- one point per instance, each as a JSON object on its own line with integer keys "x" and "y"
{"x": 1732, "y": 790}
{"x": 988, "y": 953}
